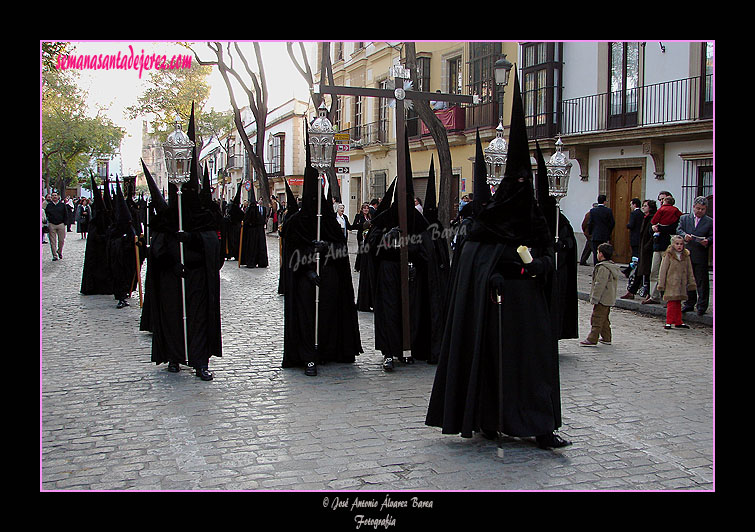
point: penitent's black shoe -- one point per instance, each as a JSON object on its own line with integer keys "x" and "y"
{"x": 204, "y": 374}
{"x": 388, "y": 364}
{"x": 551, "y": 441}
{"x": 311, "y": 370}
{"x": 122, "y": 303}
{"x": 173, "y": 367}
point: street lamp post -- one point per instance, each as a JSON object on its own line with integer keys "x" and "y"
{"x": 178, "y": 156}
{"x": 321, "y": 143}
{"x": 559, "y": 168}
{"x": 502, "y": 70}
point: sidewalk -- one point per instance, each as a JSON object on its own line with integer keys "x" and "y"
{"x": 584, "y": 279}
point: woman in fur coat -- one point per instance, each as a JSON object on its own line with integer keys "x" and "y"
{"x": 675, "y": 279}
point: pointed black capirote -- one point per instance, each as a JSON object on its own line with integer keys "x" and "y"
{"x": 292, "y": 206}
{"x": 482, "y": 193}
{"x": 430, "y": 208}
{"x": 158, "y": 200}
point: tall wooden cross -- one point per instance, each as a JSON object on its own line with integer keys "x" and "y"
{"x": 400, "y": 73}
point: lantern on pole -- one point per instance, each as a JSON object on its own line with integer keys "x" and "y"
{"x": 495, "y": 157}
{"x": 559, "y": 168}
{"x": 321, "y": 144}
{"x": 178, "y": 149}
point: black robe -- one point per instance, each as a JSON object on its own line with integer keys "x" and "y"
{"x": 254, "y": 245}
{"x": 121, "y": 259}
{"x": 230, "y": 232}
{"x": 338, "y": 324}
{"x": 561, "y": 287}
{"x": 387, "y": 305}
{"x": 465, "y": 391}
{"x": 95, "y": 275}
{"x": 203, "y": 261}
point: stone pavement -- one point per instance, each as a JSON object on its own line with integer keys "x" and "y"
{"x": 639, "y": 412}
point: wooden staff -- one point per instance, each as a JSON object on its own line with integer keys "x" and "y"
{"x": 241, "y": 242}
{"x": 138, "y": 270}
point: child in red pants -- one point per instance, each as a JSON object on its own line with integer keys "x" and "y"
{"x": 675, "y": 279}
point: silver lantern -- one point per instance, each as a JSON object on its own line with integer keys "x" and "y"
{"x": 178, "y": 154}
{"x": 321, "y": 140}
{"x": 495, "y": 157}
{"x": 559, "y": 168}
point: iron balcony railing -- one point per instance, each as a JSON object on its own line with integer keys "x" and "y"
{"x": 367, "y": 134}
{"x": 661, "y": 103}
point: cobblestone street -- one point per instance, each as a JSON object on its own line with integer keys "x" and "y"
{"x": 639, "y": 412}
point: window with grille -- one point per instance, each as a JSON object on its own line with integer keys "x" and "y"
{"x": 276, "y": 153}
{"x": 482, "y": 58}
{"x": 697, "y": 181}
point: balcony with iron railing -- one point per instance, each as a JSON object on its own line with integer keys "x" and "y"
{"x": 368, "y": 134}
{"x": 681, "y": 100}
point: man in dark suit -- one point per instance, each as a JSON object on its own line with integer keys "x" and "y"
{"x": 635, "y": 225}
{"x": 600, "y": 225}
{"x": 697, "y": 230}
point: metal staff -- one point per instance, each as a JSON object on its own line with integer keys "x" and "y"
{"x": 183, "y": 279}
{"x": 178, "y": 150}
{"x": 321, "y": 175}
{"x": 499, "y": 300}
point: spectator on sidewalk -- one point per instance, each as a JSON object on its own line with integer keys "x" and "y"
{"x": 636, "y": 216}
{"x": 587, "y": 251}
{"x": 56, "y": 213}
{"x": 600, "y": 225}
{"x": 645, "y": 257}
{"x": 676, "y": 279}
{"x": 697, "y": 230}
{"x": 605, "y": 279}
{"x": 664, "y": 225}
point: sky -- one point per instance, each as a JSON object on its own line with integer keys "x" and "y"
{"x": 117, "y": 89}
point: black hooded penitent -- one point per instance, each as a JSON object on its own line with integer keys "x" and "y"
{"x": 465, "y": 395}
{"x": 561, "y": 285}
{"x": 338, "y": 324}
{"x": 201, "y": 270}
{"x": 121, "y": 248}
{"x": 95, "y": 275}
{"x": 384, "y": 247}
{"x": 254, "y": 241}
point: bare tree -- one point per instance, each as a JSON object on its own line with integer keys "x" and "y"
{"x": 256, "y": 92}
{"x": 326, "y": 71}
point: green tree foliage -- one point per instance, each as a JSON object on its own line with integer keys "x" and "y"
{"x": 70, "y": 137}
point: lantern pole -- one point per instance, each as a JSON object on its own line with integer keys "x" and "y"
{"x": 321, "y": 136}
{"x": 559, "y": 168}
{"x": 176, "y": 148}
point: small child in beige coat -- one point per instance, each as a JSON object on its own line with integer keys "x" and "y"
{"x": 675, "y": 280}
{"x": 605, "y": 281}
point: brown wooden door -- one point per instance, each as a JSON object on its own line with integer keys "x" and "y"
{"x": 624, "y": 184}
